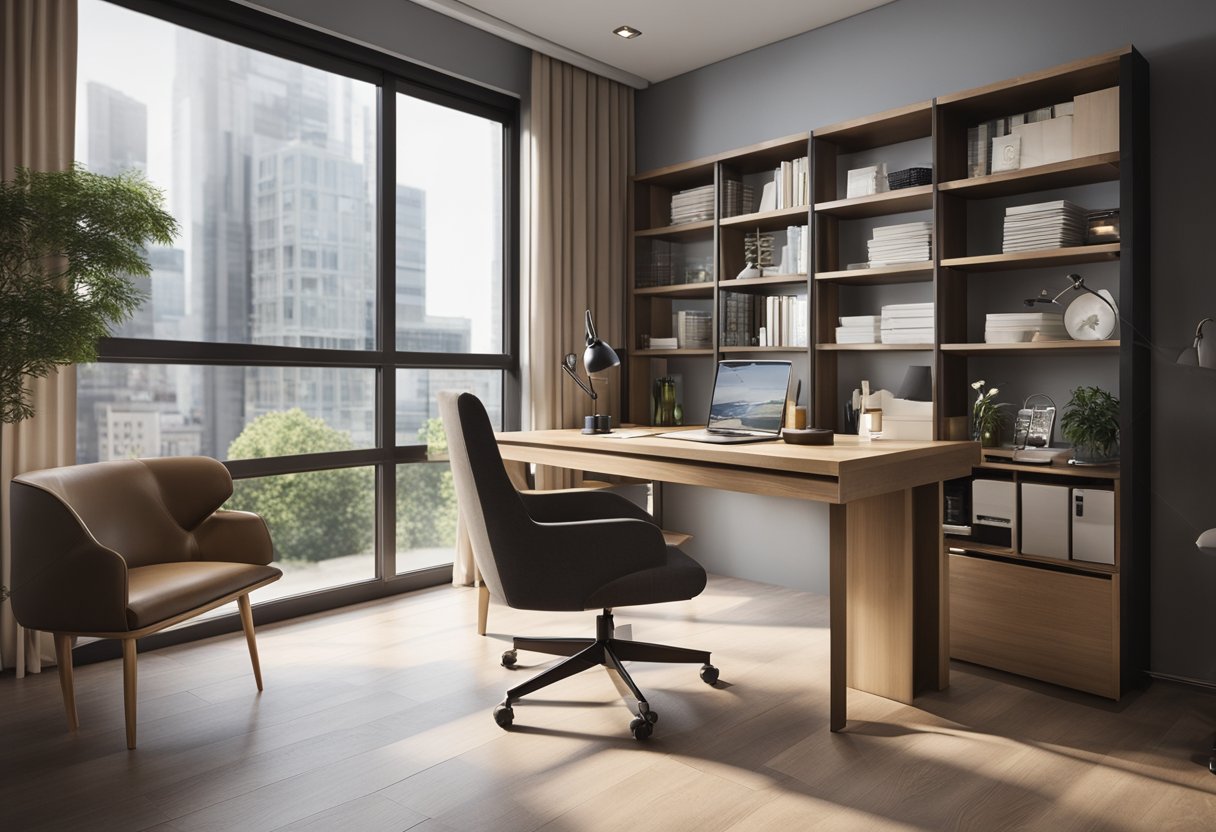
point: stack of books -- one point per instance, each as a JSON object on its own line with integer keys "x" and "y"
{"x": 907, "y": 323}
{"x": 785, "y": 321}
{"x": 694, "y": 329}
{"x": 866, "y": 181}
{"x": 1044, "y": 225}
{"x": 793, "y": 253}
{"x": 738, "y": 314}
{"x": 737, "y": 198}
{"x": 663, "y": 343}
{"x": 859, "y": 329}
{"x": 692, "y": 205}
{"x": 1020, "y": 327}
{"x": 908, "y": 242}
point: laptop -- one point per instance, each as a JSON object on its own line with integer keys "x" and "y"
{"x": 748, "y": 404}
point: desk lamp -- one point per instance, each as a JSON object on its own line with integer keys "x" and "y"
{"x": 1200, "y": 353}
{"x": 597, "y": 357}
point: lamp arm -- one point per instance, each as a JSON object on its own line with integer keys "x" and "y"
{"x": 586, "y": 385}
{"x": 1199, "y": 330}
{"x": 1078, "y": 283}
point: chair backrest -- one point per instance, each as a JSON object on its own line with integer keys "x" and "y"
{"x": 493, "y": 513}
{"x": 143, "y": 509}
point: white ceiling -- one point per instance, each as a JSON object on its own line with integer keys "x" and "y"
{"x": 677, "y": 35}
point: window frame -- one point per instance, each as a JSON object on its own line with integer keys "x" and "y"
{"x": 390, "y": 75}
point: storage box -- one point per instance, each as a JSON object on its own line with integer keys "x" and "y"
{"x": 1093, "y": 525}
{"x": 1096, "y": 123}
{"x": 1044, "y": 142}
{"x": 1045, "y": 520}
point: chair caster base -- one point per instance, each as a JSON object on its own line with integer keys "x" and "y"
{"x": 509, "y": 658}
{"x": 504, "y": 716}
{"x": 643, "y": 726}
{"x": 709, "y": 674}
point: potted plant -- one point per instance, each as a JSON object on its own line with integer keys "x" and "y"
{"x": 70, "y": 241}
{"x": 987, "y": 416}
{"x": 1091, "y": 424}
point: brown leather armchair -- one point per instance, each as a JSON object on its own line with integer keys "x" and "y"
{"x": 123, "y": 549}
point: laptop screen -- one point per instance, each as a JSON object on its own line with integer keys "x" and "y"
{"x": 749, "y": 395}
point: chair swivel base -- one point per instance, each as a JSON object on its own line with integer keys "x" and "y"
{"x": 604, "y": 650}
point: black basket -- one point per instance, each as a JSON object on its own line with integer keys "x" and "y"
{"x": 909, "y": 178}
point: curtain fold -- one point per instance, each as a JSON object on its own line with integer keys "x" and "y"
{"x": 37, "y": 127}
{"x": 578, "y": 139}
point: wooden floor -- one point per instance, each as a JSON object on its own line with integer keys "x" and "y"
{"x": 378, "y": 717}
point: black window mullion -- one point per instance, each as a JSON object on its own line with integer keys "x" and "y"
{"x": 386, "y": 337}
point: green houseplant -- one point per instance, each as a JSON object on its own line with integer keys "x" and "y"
{"x": 69, "y": 242}
{"x": 987, "y": 416}
{"x": 1091, "y": 424}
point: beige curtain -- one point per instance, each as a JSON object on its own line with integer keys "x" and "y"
{"x": 578, "y": 155}
{"x": 37, "y": 126}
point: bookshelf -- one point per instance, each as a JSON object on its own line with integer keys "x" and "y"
{"x": 968, "y": 276}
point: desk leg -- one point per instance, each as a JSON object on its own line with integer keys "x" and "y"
{"x": 838, "y": 545}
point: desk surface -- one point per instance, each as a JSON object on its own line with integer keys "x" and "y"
{"x": 848, "y": 470}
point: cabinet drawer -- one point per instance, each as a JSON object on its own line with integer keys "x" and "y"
{"x": 1055, "y": 626}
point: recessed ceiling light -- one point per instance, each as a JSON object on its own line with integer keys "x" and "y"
{"x": 627, "y": 32}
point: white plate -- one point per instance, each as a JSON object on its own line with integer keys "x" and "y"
{"x": 1088, "y": 318}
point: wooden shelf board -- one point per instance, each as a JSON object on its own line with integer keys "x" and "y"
{"x": 677, "y": 290}
{"x": 766, "y": 155}
{"x": 1031, "y": 346}
{"x": 874, "y": 347}
{"x": 759, "y": 284}
{"x": 725, "y": 350}
{"x": 682, "y": 175}
{"x": 673, "y": 353}
{"x": 915, "y": 121}
{"x": 919, "y": 198}
{"x": 1062, "y": 470}
{"x": 768, "y": 220}
{"x": 1034, "y": 259}
{"x": 676, "y": 230}
{"x": 1103, "y": 167}
{"x": 879, "y": 275}
{"x": 969, "y": 545}
{"x": 1038, "y": 89}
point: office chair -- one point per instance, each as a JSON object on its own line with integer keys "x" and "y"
{"x": 124, "y": 549}
{"x": 566, "y": 551}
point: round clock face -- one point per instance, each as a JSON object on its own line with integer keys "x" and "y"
{"x": 1089, "y": 318}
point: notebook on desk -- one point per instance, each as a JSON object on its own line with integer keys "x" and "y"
{"x": 748, "y": 404}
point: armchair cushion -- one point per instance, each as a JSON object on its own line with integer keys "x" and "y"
{"x": 163, "y": 590}
{"x": 679, "y": 577}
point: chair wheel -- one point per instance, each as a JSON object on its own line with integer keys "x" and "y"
{"x": 641, "y": 728}
{"x": 652, "y": 717}
{"x": 504, "y": 715}
{"x": 709, "y": 674}
{"x": 509, "y": 658}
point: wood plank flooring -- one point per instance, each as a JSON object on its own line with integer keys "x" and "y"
{"x": 378, "y": 717}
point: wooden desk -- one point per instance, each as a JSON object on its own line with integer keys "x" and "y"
{"x": 888, "y": 572}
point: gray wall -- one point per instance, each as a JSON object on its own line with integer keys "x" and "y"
{"x": 913, "y": 50}
{"x": 417, "y": 34}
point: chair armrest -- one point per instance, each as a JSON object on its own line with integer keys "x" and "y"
{"x": 577, "y": 558}
{"x": 235, "y": 537}
{"x": 63, "y": 580}
{"x": 574, "y": 505}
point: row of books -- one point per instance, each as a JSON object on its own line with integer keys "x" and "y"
{"x": 693, "y": 328}
{"x": 784, "y": 321}
{"x": 1054, "y": 224}
{"x": 899, "y": 323}
{"x": 904, "y": 243}
{"x": 794, "y": 252}
{"x": 666, "y": 263}
{"x": 692, "y": 205}
{"x": 979, "y": 137}
{"x": 1020, "y": 327}
{"x": 791, "y": 186}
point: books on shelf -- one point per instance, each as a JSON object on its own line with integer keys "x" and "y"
{"x": 1043, "y": 225}
{"x": 693, "y": 328}
{"x": 737, "y": 198}
{"x": 908, "y": 242}
{"x": 1021, "y": 327}
{"x": 663, "y": 343}
{"x": 794, "y": 252}
{"x": 1038, "y": 145}
{"x": 859, "y": 329}
{"x": 692, "y": 205}
{"x": 907, "y": 323}
{"x": 866, "y": 181}
{"x": 738, "y": 314}
{"x": 790, "y": 187}
{"x": 784, "y": 321}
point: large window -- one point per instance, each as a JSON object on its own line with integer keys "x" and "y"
{"x": 344, "y": 254}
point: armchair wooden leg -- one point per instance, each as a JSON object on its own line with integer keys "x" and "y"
{"x": 483, "y": 609}
{"x": 63, "y": 655}
{"x": 250, "y": 639}
{"x": 129, "y": 684}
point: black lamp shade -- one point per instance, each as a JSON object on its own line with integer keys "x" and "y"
{"x": 917, "y": 385}
{"x": 599, "y": 357}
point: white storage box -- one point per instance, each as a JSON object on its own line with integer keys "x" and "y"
{"x": 1093, "y": 525}
{"x": 1045, "y": 520}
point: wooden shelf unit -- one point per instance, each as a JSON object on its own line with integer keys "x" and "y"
{"x": 994, "y": 589}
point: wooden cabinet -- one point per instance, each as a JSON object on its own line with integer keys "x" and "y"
{"x": 1097, "y": 620}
